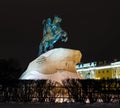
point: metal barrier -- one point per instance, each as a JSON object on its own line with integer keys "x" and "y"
{"x": 72, "y": 90}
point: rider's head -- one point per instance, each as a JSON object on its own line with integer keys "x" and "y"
{"x": 48, "y": 21}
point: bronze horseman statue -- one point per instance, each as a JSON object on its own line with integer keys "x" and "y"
{"x": 52, "y": 32}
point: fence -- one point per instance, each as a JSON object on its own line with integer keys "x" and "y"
{"x": 72, "y": 90}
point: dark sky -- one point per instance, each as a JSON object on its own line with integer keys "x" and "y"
{"x": 93, "y": 27}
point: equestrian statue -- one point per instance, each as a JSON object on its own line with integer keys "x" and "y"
{"x": 52, "y": 32}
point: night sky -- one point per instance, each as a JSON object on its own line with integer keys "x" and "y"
{"x": 93, "y": 27}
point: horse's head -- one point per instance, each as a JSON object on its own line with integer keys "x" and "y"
{"x": 57, "y": 20}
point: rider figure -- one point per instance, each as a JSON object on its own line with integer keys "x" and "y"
{"x": 47, "y": 27}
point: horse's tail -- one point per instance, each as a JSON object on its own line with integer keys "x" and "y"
{"x": 40, "y": 49}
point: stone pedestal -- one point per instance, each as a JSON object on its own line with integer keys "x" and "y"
{"x": 56, "y": 64}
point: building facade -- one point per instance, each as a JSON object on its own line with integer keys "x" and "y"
{"x": 92, "y": 71}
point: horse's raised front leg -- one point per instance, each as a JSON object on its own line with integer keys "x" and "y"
{"x": 64, "y": 37}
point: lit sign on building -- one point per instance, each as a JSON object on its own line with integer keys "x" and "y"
{"x": 86, "y": 65}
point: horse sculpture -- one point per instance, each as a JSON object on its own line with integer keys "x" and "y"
{"x": 52, "y": 32}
